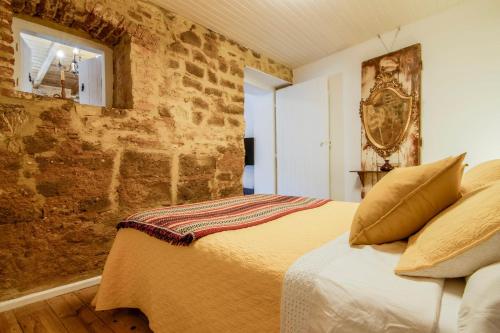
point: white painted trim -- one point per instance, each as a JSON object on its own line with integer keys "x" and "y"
{"x": 258, "y": 84}
{"x": 47, "y": 294}
{"x": 263, "y": 80}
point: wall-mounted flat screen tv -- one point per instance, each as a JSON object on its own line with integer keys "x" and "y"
{"x": 249, "y": 149}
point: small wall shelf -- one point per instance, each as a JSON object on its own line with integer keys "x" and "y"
{"x": 369, "y": 178}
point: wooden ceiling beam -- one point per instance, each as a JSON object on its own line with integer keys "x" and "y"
{"x": 51, "y": 54}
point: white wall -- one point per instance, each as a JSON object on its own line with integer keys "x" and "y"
{"x": 248, "y": 115}
{"x": 460, "y": 85}
{"x": 248, "y": 177}
{"x": 259, "y": 118}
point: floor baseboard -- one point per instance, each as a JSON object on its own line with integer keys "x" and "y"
{"x": 46, "y": 294}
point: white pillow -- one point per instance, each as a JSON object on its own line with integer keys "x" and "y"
{"x": 480, "y": 308}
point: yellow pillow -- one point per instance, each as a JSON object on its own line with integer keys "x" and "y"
{"x": 405, "y": 200}
{"x": 460, "y": 240}
{"x": 481, "y": 175}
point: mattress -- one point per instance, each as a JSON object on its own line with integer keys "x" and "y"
{"x": 450, "y": 304}
{"x": 225, "y": 282}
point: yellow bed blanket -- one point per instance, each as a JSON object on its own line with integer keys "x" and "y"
{"x": 226, "y": 282}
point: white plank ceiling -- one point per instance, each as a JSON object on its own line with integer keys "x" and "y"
{"x": 297, "y": 32}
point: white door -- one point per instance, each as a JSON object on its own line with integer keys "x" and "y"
{"x": 25, "y": 70}
{"x": 302, "y": 133}
{"x": 90, "y": 82}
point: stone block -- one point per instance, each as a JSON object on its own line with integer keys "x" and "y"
{"x": 211, "y": 48}
{"x": 177, "y": 47}
{"x": 145, "y": 180}
{"x": 133, "y": 14}
{"x": 256, "y": 55}
{"x": 192, "y": 83}
{"x": 227, "y": 84}
{"x": 223, "y": 67}
{"x": 54, "y": 188}
{"x": 230, "y": 108}
{"x": 138, "y": 125}
{"x": 196, "y": 166}
{"x": 165, "y": 111}
{"x": 195, "y": 69}
{"x": 199, "y": 57}
{"x": 114, "y": 112}
{"x": 40, "y": 142}
{"x": 173, "y": 64}
{"x": 73, "y": 176}
{"x": 216, "y": 121}
{"x": 52, "y": 253}
{"x": 212, "y": 77}
{"x": 213, "y": 92}
{"x": 197, "y": 118}
{"x": 194, "y": 191}
{"x": 233, "y": 122}
{"x": 238, "y": 98}
{"x": 94, "y": 204}
{"x": 200, "y": 103}
{"x": 236, "y": 69}
{"x": 16, "y": 201}
{"x": 190, "y": 37}
{"x": 17, "y": 205}
{"x": 231, "y": 160}
{"x": 139, "y": 141}
{"x": 225, "y": 176}
{"x": 230, "y": 190}
{"x": 10, "y": 163}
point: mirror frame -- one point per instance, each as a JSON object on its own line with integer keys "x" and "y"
{"x": 385, "y": 81}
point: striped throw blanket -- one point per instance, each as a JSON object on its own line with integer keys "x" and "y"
{"x": 181, "y": 225}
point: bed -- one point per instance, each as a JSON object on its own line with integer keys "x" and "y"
{"x": 229, "y": 281}
{"x": 309, "y": 265}
{"x": 220, "y": 283}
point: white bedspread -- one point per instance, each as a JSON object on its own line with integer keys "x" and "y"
{"x": 336, "y": 288}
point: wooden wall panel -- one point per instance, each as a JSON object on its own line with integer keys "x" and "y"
{"x": 405, "y": 65}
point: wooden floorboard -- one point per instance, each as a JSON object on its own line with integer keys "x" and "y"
{"x": 38, "y": 318}
{"x": 87, "y": 295}
{"x": 72, "y": 313}
{"x": 8, "y": 323}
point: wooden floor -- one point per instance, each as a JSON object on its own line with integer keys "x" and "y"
{"x": 71, "y": 313}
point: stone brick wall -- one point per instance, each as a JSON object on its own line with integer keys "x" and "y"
{"x": 69, "y": 172}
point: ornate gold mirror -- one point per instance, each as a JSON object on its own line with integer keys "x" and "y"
{"x": 386, "y": 116}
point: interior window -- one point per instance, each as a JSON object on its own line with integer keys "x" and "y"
{"x": 54, "y": 66}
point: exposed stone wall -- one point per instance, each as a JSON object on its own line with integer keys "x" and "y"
{"x": 69, "y": 172}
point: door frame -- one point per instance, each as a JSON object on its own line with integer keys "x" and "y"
{"x": 270, "y": 83}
